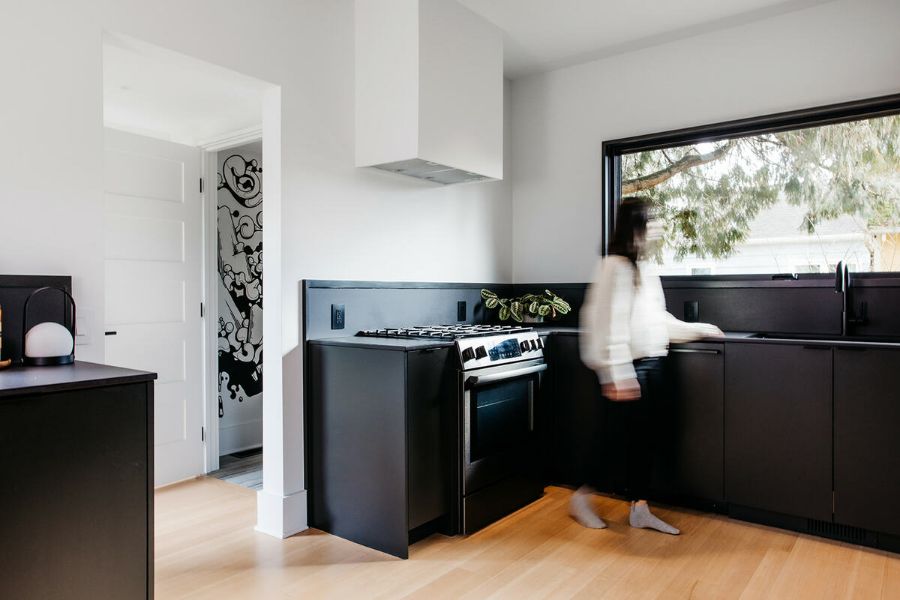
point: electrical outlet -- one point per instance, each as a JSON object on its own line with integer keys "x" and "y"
{"x": 691, "y": 311}
{"x": 338, "y": 316}
{"x": 461, "y": 310}
{"x": 83, "y": 323}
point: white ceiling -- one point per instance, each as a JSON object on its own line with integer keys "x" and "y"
{"x": 163, "y": 94}
{"x": 546, "y": 34}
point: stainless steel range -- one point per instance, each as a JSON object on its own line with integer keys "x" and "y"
{"x": 500, "y": 370}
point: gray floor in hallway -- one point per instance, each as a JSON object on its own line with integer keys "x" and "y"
{"x": 242, "y": 468}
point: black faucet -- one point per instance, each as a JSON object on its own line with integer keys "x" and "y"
{"x": 842, "y": 286}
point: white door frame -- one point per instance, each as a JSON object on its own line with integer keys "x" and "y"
{"x": 209, "y": 168}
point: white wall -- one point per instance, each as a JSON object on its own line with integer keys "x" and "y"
{"x": 839, "y": 51}
{"x": 335, "y": 221}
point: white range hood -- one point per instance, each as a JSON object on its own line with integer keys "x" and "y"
{"x": 429, "y": 91}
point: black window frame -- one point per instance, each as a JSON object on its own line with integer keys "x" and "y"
{"x": 612, "y": 151}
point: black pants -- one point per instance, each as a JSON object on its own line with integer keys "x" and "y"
{"x": 629, "y": 436}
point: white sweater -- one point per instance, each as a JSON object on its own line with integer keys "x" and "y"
{"x": 622, "y": 321}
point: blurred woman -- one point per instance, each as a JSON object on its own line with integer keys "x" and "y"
{"x": 626, "y": 335}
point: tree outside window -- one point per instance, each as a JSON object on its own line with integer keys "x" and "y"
{"x": 793, "y": 201}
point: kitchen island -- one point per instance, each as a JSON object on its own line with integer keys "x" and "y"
{"x": 76, "y": 454}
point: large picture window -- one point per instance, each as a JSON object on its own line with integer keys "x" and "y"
{"x": 792, "y": 193}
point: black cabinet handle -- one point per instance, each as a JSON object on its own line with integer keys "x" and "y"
{"x": 110, "y": 333}
{"x": 817, "y": 347}
{"x": 693, "y": 351}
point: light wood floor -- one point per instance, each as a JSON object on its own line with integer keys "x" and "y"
{"x": 206, "y": 548}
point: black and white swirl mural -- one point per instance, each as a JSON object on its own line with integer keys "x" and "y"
{"x": 240, "y": 198}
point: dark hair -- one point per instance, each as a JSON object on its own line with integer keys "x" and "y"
{"x": 631, "y": 227}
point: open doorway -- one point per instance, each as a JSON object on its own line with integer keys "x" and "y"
{"x": 239, "y": 296}
{"x": 176, "y": 303}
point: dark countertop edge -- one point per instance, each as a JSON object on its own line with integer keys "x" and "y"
{"x": 745, "y": 338}
{"x": 397, "y": 345}
{"x": 730, "y": 338}
{"x": 118, "y": 376}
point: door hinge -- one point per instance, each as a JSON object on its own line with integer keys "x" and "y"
{"x": 201, "y": 185}
{"x": 203, "y": 434}
{"x": 201, "y": 310}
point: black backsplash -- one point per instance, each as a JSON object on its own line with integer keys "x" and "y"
{"x": 808, "y": 306}
{"x": 770, "y": 310}
{"x": 377, "y": 304}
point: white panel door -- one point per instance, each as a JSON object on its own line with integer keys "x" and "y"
{"x": 153, "y": 278}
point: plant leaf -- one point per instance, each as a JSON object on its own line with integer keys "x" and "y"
{"x": 504, "y": 313}
{"x": 515, "y": 310}
{"x": 491, "y": 302}
{"x": 488, "y": 294}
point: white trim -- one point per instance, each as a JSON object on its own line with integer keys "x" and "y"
{"x": 281, "y": 506}
{"x": 211, "y": 312}
{"x": 232, "y": 139}
{"x": 281, "y": 516}
{"x": 240, "y": 436}
{"x": 245, "y": 448}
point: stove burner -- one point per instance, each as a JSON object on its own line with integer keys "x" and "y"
{"x": 450, "y": 332}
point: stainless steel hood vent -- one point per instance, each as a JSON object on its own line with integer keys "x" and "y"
{"x": 431, "y": 171}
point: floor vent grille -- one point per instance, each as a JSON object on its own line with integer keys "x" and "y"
{"x": 834, "y": 530}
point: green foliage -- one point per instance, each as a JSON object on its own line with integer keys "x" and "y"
{"x": 842, "y": 169}
{"x": 545, "y": 304}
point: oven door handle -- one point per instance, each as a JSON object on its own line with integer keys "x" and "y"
{"x": 476, "y": 380}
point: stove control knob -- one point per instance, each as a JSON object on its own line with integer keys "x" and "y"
{"x": 480, "y": 352}
{"x": 468, "y": 354}
{"x": 524, "y": 345}
{"x": 540, "y": 343}
{"x": 534, "y": 345}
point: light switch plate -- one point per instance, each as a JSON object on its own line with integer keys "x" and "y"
{"x": 83, "y": 322}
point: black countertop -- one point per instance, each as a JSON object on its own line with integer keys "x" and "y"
{"x": 414, "y": 344}
{"x": 744, "y": 337}
{"x": 411, "y": 345}
{"x": 379, "y": 343}
{"x": 19, "y": 381}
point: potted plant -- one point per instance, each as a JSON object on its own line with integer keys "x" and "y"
{"x": 527, "y": 307}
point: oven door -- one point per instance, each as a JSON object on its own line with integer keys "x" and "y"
{"x": 499, "y": 439}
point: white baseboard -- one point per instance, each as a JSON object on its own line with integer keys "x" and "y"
{"x": 280, "y": 516}
{"x": 241, "y": 436}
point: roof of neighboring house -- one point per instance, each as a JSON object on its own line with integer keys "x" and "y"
{"x": 786, "y": 220}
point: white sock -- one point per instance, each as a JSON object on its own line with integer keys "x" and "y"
{"x": 642, "y": 518}
{"x": 581, "y": 510}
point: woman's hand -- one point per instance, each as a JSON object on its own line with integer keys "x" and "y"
{"x": 622, "y": 391}
{"x": 710, "y": 331}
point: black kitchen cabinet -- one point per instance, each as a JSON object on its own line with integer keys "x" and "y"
{"x": 76, "y": 457}
{"x": 381, "y": 443}
{"x": 778, "y": 428}
{"x": 867, "y": 438}
{"x": 688, "y": 462}
{"x": 578, "y": 416}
